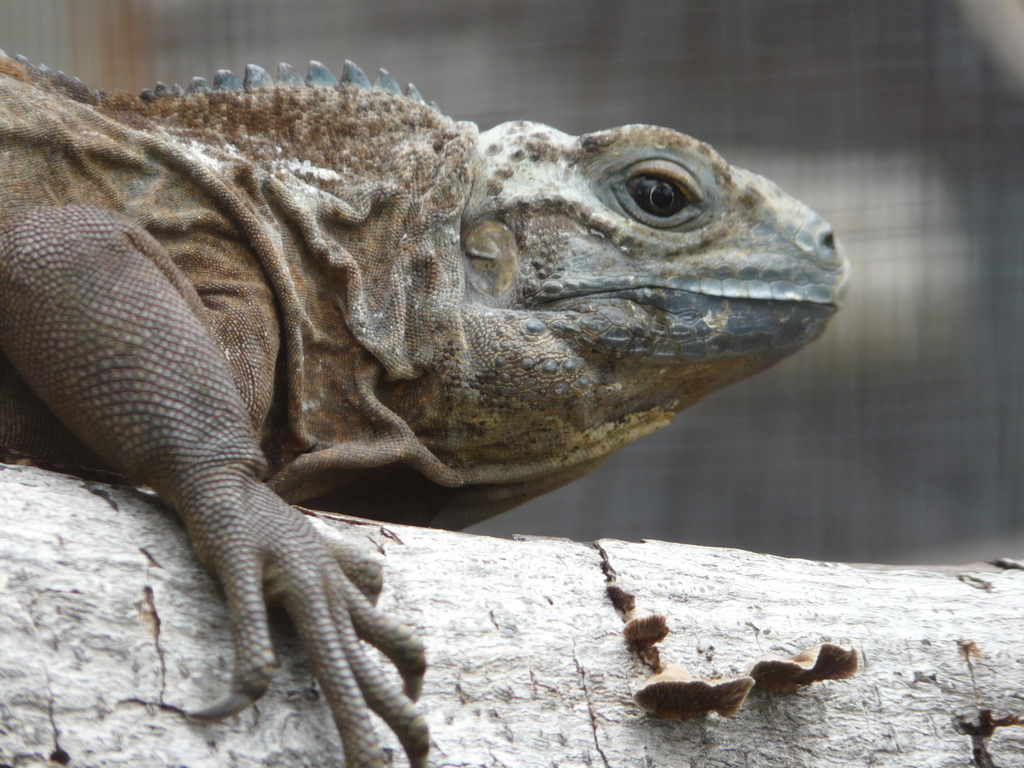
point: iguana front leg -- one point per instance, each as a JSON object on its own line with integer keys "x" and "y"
{"x": 96, "y": 318}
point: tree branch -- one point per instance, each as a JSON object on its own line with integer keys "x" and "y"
{"x": 110, "y": 631}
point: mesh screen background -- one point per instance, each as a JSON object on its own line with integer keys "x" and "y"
{"x": 902, "y": 430}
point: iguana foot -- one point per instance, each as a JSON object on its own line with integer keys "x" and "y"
{"x": 102, "y": 326}
{"x": 276, "y": 556}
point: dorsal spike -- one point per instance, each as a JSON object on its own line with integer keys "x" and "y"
{"x": 23, "y": 60}
{"x": 355, "y": 75}
{"x": 3, "y": 54}
{"x": 177, "y": 90}
{"x": 73, "y": 86}
{"x": 433, "y": 106}
{"x": 256, "y": 77}
{"x": 386, "y": 82}
{"x": 320, "y": 75}
{"x": 225, "y": 80}
{"x": 413, "y": 93}
{"x": 44, "y": 69}
{"x": 161, "y": 90}
{"x": 286, "y": 75}
{"x": 197, "y": 85}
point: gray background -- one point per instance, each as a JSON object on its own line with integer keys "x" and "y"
{"x": 900, "y": 435}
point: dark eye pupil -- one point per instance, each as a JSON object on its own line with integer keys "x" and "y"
{"x": 657, "y": 197}
{"x": 662, "y": 196}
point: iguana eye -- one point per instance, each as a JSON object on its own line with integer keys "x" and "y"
{"x": 657, "y": 196}
{"x": 659, "y": 193}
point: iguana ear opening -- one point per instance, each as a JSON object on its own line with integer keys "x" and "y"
{"x": 490, "y": 256}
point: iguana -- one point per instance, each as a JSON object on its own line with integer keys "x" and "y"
{"x": 309, "y": 291}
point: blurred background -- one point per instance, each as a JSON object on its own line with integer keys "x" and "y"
{"x": 899, "y": 436}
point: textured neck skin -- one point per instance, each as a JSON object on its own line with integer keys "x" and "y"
{"x": 428, "y": 324}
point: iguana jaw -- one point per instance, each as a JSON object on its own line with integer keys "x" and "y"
{"x": 659, "y": 326}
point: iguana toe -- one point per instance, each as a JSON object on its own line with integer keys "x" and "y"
{"x": 362, "y": 565}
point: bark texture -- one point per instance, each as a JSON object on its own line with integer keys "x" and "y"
{"x": 110, "y": 631}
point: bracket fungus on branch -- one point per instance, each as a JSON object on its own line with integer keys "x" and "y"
{"x": 675, "y": 694}
{"x": 672, "y": 693}
{"x": 643, "y": 629}
{"x": 825, "y": 661}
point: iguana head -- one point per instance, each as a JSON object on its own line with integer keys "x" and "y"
{"x": 613, "y": 279}
{"x": 687, "y": 259}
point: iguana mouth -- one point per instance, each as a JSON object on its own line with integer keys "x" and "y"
{"x": 657, "y": 324}
{"x": 727, "y": 288}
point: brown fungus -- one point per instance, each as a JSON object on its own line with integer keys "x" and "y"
{"x": 822, "y": 662}
{"x": 675, "y": 694}
{"x": 643, "y": 629}
{"x": 623, "y": 600}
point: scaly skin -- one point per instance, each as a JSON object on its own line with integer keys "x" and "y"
{"x": 338, "y": 296}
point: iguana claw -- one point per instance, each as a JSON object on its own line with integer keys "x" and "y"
{"x": 227, "y": 705}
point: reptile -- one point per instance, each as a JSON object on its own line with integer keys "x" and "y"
{"x": 262, "y": 293}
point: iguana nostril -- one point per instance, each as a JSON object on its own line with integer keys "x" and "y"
{"x": 826, "y": 248}
{"x": 827, "y": 240}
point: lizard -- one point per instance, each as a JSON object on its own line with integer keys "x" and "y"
{"x": 324, "y": 291}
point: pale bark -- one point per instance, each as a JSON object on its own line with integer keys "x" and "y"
{"x": 110, "y": 630}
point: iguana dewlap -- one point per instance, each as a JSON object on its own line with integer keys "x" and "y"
{"x": 330, "y": 293}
